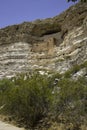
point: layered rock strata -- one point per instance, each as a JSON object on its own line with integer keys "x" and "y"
{"x": 54, "y": 44}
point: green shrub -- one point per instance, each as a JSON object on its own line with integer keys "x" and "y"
{"x": 75, "y": 69}
{"x": 71, "y": 101}
{"x": 29, "y": 99}
{"x": 5, "y": 87}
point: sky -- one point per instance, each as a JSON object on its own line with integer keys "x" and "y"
{"x": 18, "y": 11}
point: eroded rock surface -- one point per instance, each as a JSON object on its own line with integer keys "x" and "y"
{"x": 54, "y": 44}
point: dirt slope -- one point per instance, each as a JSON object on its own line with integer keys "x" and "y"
{"x": 5, "y": 126}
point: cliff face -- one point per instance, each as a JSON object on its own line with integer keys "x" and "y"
{"x": 54, "y": 44}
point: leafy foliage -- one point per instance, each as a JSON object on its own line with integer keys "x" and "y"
{"x": 77, "y": 0}
{"x": 75, "y": 69}
{"x": 34, "y": 98}
{"x": 71, "y": 101}
{"x": 26, "y": 99}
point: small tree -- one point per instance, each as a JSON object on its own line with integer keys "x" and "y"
{"x": 77, "y": 0}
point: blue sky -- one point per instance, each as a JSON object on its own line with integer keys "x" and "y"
{"x": 18, "y": 11}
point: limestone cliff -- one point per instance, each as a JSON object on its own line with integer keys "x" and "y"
{"x": 53, "y": 44}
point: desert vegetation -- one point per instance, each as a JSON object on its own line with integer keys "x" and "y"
{"x": 41, "y": 98}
